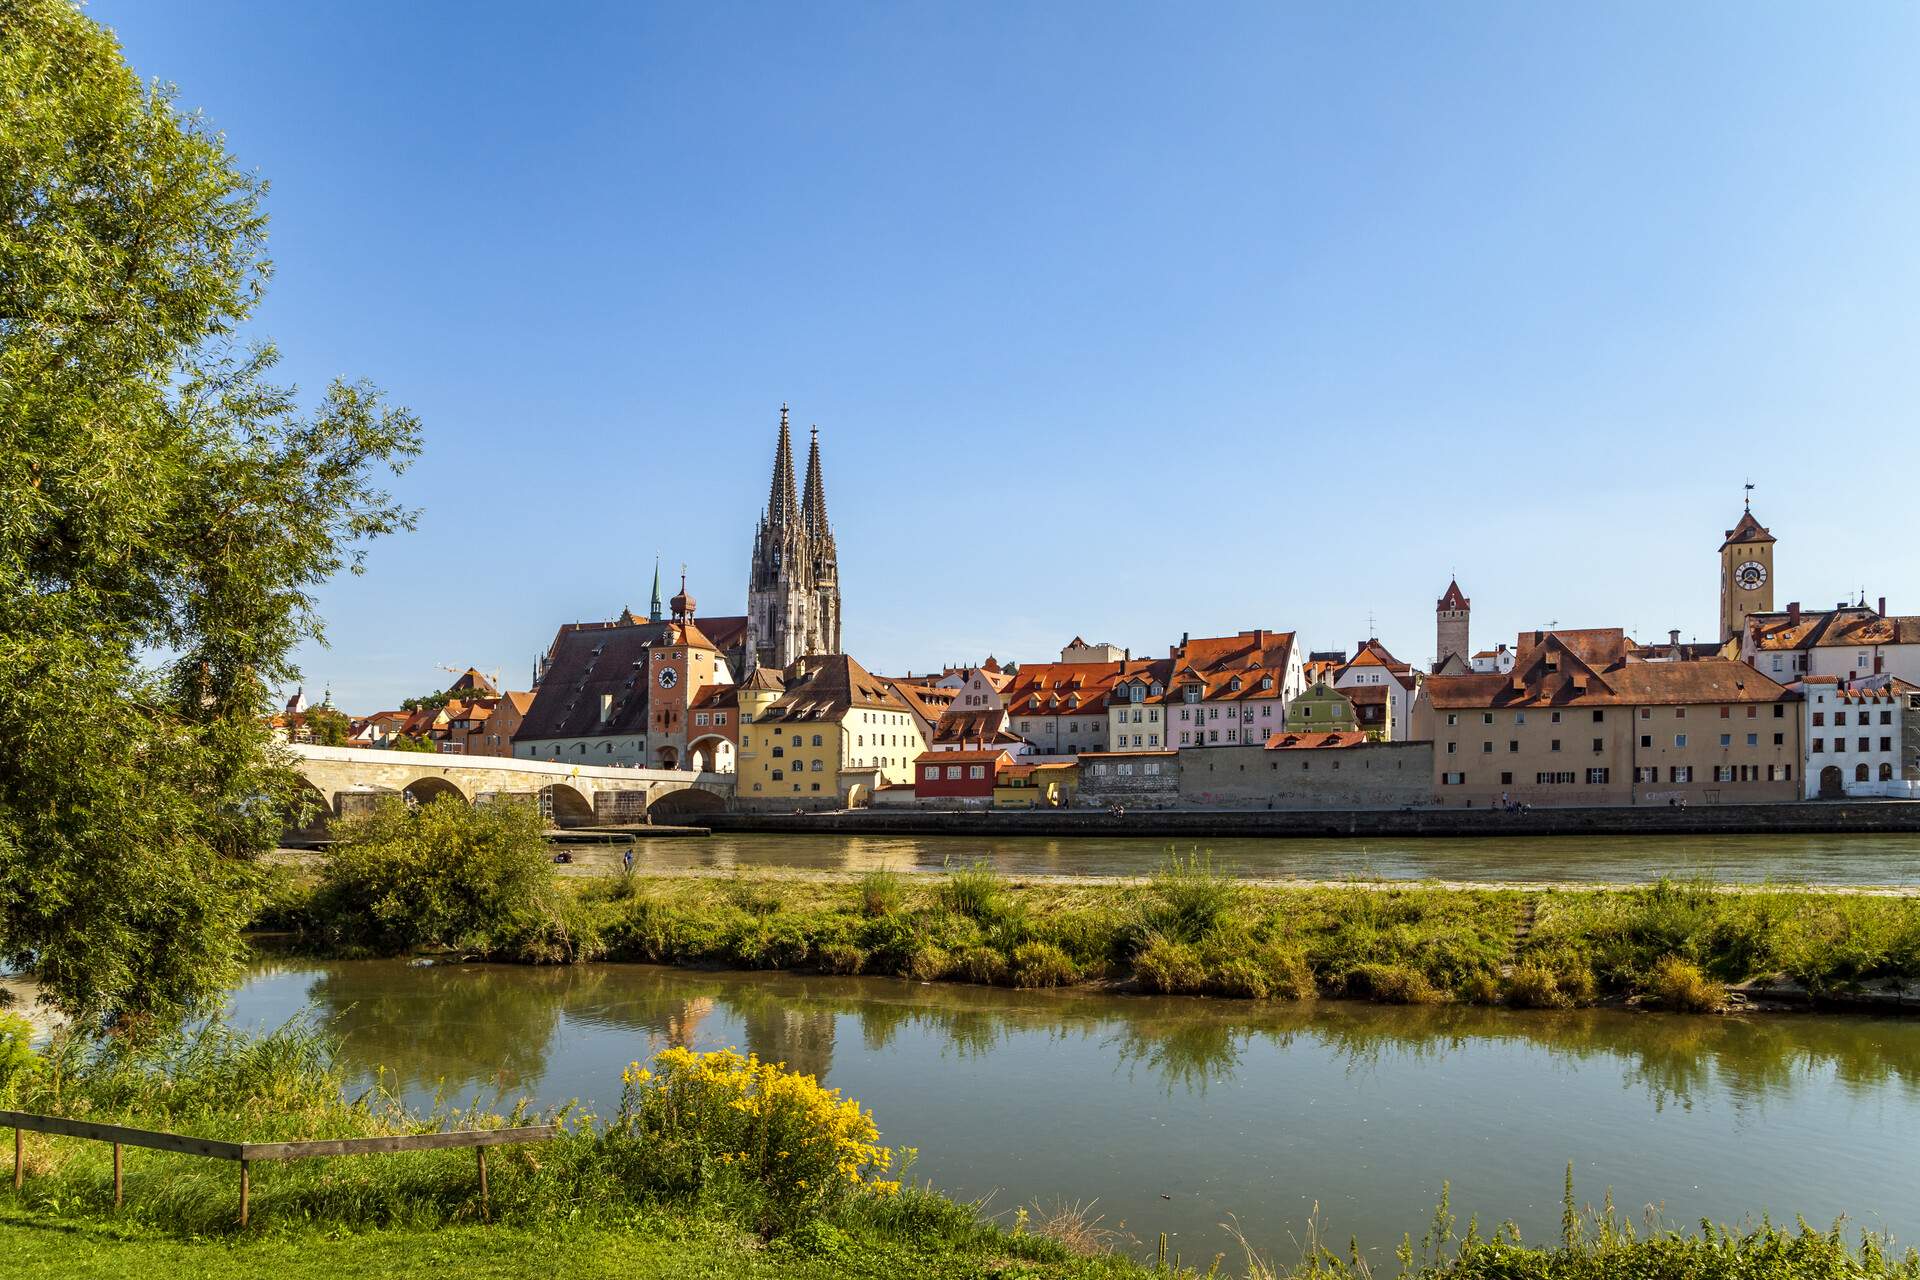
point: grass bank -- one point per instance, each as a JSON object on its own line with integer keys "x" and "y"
{"x": 1671, "y": 945}
{"x": 479, "y": 882}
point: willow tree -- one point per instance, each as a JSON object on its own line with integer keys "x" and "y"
{"x": 166, "y": 511}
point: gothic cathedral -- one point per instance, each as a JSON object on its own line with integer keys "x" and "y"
{"x": 793, "y": 594}
{"x": 1746, "y": 574}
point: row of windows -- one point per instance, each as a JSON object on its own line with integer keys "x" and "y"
{"x": 1840, "y": 744}
{"x": 1246, "y": 713}
{"x": 932, "y": 772}
{"x": 1679, "y": 773}
{"x": 1153, "y": 714}
{"x": 1840, "y": 717}
{"x": 1187, "y": 738}
{"x": 719, "y": 717}
{"x": 1646, "y": 713}
{"x": 1124, "y": 768}
{"x": 1513, "y": 745}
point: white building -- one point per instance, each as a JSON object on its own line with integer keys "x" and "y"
{"x": 1862, "y": 740}
{"x": 1372, "y": 665}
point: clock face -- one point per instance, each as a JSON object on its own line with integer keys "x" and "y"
{"x": 1751, "y": 575}
{"x": 668, "y": 677}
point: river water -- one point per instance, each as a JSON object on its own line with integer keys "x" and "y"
{"x": 1184, "y": 1114}
{"x": 1798, "y": 859}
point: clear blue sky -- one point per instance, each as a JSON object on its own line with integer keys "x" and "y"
{"x": 1116, "y": 320}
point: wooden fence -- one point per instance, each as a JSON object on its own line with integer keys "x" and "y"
{"x": 246, "y": 1153}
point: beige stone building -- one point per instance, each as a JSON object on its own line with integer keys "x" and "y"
{"x": 1583, "y": 719}
{"x": 834, "y": 733}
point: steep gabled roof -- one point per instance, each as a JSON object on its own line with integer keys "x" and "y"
{"x": 823, "y": 688}
{"x": 1453, "y": 597}
{"x": 1748, "y": 530}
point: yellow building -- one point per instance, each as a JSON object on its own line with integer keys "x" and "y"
{"x": 1048, "y": 785}
{"x": 831, "y": 734}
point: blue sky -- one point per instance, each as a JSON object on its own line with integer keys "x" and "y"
{"x": 1119, "y": 321}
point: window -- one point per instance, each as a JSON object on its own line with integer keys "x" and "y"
{"x": 1886, "y": 744}
{"x": 1726, "y": 713}
{"x": 1779, "y": 711}
{"x": 796, "y": 739}
{"x": 1645, "y": 774}
{"x": 1487, "y": 718}
{"x": 1506, "y": 779}
{"x": 1753, "y": 739}
{"x": 1819, "y": 746}
{"x": 1556, "y": 745}
{"x": 1513, "y": 745}
{"x": 1452, "y": 718}
{"x": 819, "y": 741}
{"x": 976, "y": 771}
{"x": 1753, "y": 712}
{"x": 1519, "y": 717}
{"x": 1596, "y": 777}
{"x": 1723, "y": 773}
{"x": 1553, "y": 779}
{"x": 1726, "y": 739}
{"x": 1679, "y": 739}
{"x": 819, "y": 766}
{"x": 1679, "y": 713}
{"x": 777, "y": 775}
{"x": 953, "y": 773}
{"x": 1451, "y": 746}
{"x": 1860, "y": 773}
{"x": 932, "y": 772}
{"x": 1599, "y": 744}
{"x": 1555, "y": 717}
{"x": 1779, "y": 739}
{"x": 1886, "y": 717}
{"x": 1646, "y": 713}
{"x": 1680, "y": 773}
{"x": 1864, "y": 744}
{"x": 1646, "y": 740}
{"x": 779, "y": 752}
{"x": 1598, "y": 715}
{"x": 1839, "y": 717}
{"x": 1486, "y": 748}
{"x": 1449, "y": 779}
{"x": 700, "y": 717}
{"x": 816, "y": 786}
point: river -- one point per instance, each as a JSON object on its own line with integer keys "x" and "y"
{"x": 1182, "y": 1114}
{"x": 1793, "y": 859}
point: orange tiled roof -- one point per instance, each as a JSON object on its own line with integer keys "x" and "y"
{"x": 1748, "y": 530}
{"x": 1855, "y": 625}
{"x": 1553, "y": 674}
{"x": 991, "y": 755}
{"x": 1315, "y": 741}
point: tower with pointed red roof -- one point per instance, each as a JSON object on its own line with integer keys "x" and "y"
{"x": 793, "y": 588}
{"x": 1450, "y": 621}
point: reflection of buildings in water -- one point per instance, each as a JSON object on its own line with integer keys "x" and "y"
{"x": 684, "y": 1024}
{"x": 801, "y": 1038}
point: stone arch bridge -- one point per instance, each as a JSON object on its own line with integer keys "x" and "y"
{"x": 348, "y": 779}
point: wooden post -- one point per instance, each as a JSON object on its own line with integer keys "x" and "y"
{"x": 245, "y": 1187}
{"x": 116, "y": 1175}
{"x": 19, "y": 1159}
{"x": 486, "y": 1214}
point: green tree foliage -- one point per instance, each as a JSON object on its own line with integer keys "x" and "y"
{"x": 440, "y": 875}
{"x": 404, "y": 742}
{"x": 434, "y": 701}
{"x": 165, "y": 512}
{"x": 329, "y": 727}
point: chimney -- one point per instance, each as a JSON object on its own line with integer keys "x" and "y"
{"x": 1883, "y": 606}
{"x": 1793, "y": 612}
{"x": 1673, "y": 637}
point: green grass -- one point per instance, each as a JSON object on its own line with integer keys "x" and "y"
{"x": 1190, "y": 931}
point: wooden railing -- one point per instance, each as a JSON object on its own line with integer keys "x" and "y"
{"x": 246, "y": 1153}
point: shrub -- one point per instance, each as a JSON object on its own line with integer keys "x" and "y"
{"x": 1534, "y": 986}
{"x": 1041, "y": 964}
{"x": 1393, "y": 984}
{"x": 980, "y": 964}
{"x": 881, "y": 892}
{"x": 1187, "y": 899}
{"x": 440, "y": 875}
{"x": 1168, "y": 966}
{"x": 17, "y": 1058}
{"x": 842, "y": 957}
{"x": 973, "y": 891}
{"x": 1679, "y": 985}
{"x": 700, "y": 1118}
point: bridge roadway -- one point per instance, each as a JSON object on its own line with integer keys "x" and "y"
{"x": 350, "y": 778}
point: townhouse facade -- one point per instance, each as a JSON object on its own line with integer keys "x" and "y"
{"x": 1580, "y": 721}
{"x": 1863, "y": 739}
{"x": 832, "y": 735}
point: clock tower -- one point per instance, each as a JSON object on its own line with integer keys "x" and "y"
{"x": 1746, "y": 574}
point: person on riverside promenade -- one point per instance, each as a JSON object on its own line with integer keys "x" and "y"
{"x": 626, "y": 859}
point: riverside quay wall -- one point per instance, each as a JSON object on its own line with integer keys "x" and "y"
{"x": 1815, "y": 817}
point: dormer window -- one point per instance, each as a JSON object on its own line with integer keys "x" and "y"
{"x": 1234, "y": 684}
{"x": 1266, "y": 682}
{"x": 1191, "y": 693}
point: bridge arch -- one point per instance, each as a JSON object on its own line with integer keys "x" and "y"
{"x": 566, "y": 805}
{"x": 711, "y": 754}
{"x": 433, "y": 787}
{"x": 685, "y": 802}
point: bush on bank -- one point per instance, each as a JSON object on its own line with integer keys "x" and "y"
{"x": 441, "y": 875}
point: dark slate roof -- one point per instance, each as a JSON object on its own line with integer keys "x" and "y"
{"x": 586, "y": 661}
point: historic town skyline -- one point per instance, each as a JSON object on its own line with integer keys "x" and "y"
{"x": 1525, "y": 295}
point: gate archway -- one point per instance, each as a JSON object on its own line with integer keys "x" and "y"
{"x": 1831, "y": 786}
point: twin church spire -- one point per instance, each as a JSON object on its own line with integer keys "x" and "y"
{"x": 793, "y": 592}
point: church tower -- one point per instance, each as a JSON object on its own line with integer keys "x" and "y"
{"x": 1450, "y": 618}
{"x": 1746, "y": 574}
{"x": 793, "y": 589}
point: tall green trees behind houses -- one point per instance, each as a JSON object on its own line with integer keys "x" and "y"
{"x": 166, "y": 510}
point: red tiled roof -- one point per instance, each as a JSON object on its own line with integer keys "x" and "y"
{"x": 1552, "y": 674}
{"x": 1855, "y": 625}
{"x": 1453, "y": 598}
{"x": 1315, "y": 741}
{"x": 962, "y": 757}
{"x": 1748, "y": 530}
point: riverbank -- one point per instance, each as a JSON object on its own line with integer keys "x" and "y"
{"x": 1677, "y": 946}
{"x": 1811, "y": 817}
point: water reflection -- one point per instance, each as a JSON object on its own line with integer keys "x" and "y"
{"x": 1798, "y": 859}
{"x": 1220, "y": 1106}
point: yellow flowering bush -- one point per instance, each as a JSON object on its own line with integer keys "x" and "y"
{"x": 698, "y": 1118}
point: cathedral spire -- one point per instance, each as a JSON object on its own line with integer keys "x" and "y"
{"x": 813, "y": 507}
{"x": 653, "y": 609}
{"x": 781, "y": 507}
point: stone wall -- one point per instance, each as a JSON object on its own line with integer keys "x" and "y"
{"x": 1149, "y": 779}
{"x": 1375, "y": 775}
